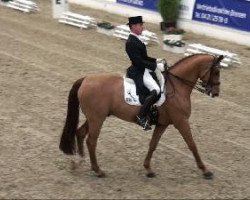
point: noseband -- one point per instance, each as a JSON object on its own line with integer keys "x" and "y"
{"x": 208, "y": 85}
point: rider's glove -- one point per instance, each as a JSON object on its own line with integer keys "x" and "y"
{"x": 160, "y": 60}
{"x": 160, "y": 66}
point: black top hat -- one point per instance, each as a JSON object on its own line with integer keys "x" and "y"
{"x": 135, "y": 20}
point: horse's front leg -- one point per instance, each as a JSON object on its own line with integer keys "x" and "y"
{"x": 184, "y": 129}
{"x": 158, "y": 131}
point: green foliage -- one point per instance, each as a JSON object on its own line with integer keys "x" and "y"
{"x": 105, "y": 25}
{"x": 172, "y": 43}
{"x": 169, "y": 9}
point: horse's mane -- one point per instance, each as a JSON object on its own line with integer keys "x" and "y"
{"x": 185, "y": 58}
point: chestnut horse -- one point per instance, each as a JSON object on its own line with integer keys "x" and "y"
{"x": 100, "y": 96}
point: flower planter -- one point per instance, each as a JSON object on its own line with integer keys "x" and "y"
{"x": 176, "y": 37}
{"x": 174, "y": 46}
{"x": 167, "y": 25}
{"x": 173, "y": 34}
{"x": 105, "y": 28}
{"x": 108, "y": 32}
{"x": 169, "y": 11}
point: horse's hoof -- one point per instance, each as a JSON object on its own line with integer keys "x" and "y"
{"x": 208, "y": 175}
{"x": 151, "y": 175}
{"x": 81, "y": 154}
{"x": 100, "y": 174}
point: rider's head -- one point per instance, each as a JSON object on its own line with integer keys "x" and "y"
{"x": 136, "y": 24}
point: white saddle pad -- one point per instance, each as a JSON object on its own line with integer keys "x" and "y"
{"x": 132, "y": 98}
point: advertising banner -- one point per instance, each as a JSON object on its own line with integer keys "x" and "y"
{"x": 145, "y": 4}
{"x": 229, "y": 13}
{"x": 186, "y": 6}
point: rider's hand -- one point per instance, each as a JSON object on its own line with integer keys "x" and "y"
{"x": 160, "y": 66}
{"x": 158, "y": 60}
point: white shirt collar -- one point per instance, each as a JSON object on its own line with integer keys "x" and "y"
{"x": 138, "y": 36}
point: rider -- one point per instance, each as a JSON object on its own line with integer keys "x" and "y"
{"x": 142, "y": 67}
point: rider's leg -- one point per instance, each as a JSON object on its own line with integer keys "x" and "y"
{"x": 160, "y": 78}
{"x": 150, "y": 83}
{"x": 150, "y": 100}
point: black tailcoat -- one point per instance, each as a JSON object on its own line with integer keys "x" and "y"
{"x": 140, "y": 60}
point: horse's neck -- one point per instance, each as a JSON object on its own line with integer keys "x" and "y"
{"x": 189, "y": 70}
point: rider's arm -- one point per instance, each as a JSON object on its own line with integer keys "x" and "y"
{"x": 139, "y": 58}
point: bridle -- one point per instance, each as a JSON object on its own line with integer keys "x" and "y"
{"x": 201, "y": 86}
{"x": 208, "y": 85}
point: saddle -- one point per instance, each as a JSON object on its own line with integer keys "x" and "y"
{"x": 135, "y": 92}
{"x": 132, "y": 97}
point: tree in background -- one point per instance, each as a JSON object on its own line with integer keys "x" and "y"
{"x": 169, "y": 10}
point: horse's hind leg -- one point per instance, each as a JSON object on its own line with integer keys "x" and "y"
{"x": 93, "y": 134}
{"x": 152, "y": 146}
{"x": 185, "y": 131}
{"x": 80, "y": 135}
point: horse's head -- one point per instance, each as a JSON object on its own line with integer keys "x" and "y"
{"x": 211, "y": 78}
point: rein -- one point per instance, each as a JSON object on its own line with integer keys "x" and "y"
{"x": 201, "y": 86}
{"x": 191, "y": 84}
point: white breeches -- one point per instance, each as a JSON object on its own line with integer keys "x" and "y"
{"x": 150, "y": 83}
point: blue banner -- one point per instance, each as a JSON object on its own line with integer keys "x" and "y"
{"x": 229, "y": 13}
{"x": 145, "y": 4}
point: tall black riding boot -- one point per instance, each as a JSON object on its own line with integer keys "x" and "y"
{"x": 142, "y": 116}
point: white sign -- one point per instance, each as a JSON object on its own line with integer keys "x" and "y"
{"x": 59, "y": 7}
{"x": 187, "y": 7}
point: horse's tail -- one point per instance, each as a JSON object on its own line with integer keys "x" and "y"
{"x": 67, "y": 142}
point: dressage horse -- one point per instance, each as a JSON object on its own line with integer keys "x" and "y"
{"x": 100, "y": 96}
